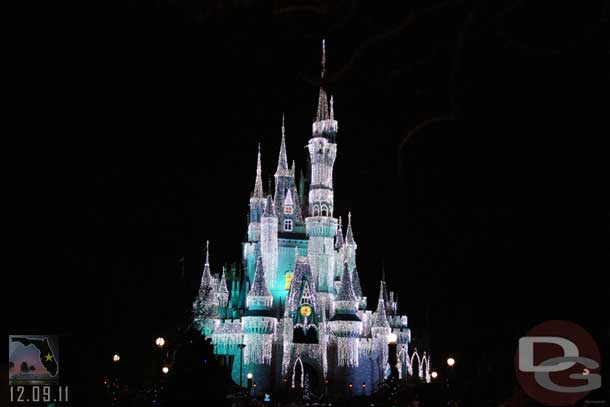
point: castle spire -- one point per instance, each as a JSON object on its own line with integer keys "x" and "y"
{"x": 207, "y": 253}
{"x": 356, "y": 283}
{"x": 222, "y": 285}
{"x": 349, "y": 235}
{"x": 322, "y": 99}
{"x": 322, "y": 106}
{"x": 207, "y": 281}
{"x": 258, "y": 184}
{"x": 346, "y": 290}
{"x": 380, "y": 319}
{"x": 282, "y": 163}
{"x": 259, "y": 297}
{"x": 269, "y": 208}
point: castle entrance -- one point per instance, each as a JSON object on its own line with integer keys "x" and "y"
{"x": 307, "y": 380}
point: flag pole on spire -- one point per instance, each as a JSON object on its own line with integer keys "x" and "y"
{"x": 207, "y": 252}
{"x": 323, "y": 58}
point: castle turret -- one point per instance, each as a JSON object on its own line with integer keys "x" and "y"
{"x": 205, "y": 307}
{"x": 269, "y": 242}
{"x": 258, "y": 324}
{"x": 380, "y": 329}
{"x": 345, "y": 324}
{"x": 350, "y": 244}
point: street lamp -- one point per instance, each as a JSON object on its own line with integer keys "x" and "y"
{"x": 165, "y": 370}
{"x": 434, "y": 375}
{"x": 116, "y": 358}
{"x": 160, "y": 342}
{"x": 450, "y": 362}
{"x": 249, "y": 376}
{"x": 392, "y": 337}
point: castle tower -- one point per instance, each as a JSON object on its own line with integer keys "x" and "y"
{"x": 291, "y": 229}
{"x": 321, "y": 227}
{"x": 258, "y": 326}
{"x": 345, "y": 324}
{"x": 380, "y": 330}
{"x": 269, "y": 242}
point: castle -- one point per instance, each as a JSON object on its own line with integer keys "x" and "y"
{"x": 296, "y": 316}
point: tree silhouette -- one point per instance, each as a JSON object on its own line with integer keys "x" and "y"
{"x": 32, "y": 368}
{"x": 24, "y": 367}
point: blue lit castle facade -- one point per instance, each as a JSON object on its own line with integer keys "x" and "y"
{"x": 296, "y": 302}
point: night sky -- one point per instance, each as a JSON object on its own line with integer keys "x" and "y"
{"x": 467, "y": 153}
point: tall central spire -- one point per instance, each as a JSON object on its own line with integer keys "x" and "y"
{"x": 325, "y": 122}
{"x": 282, "y": 162}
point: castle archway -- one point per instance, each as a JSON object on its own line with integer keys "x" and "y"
{"x": 307, "y": 378}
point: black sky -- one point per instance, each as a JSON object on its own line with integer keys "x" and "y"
{"x": 467, "y": 155}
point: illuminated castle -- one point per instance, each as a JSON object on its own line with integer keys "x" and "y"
{"x": 298, "y": 306}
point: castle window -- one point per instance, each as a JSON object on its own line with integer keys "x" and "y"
{"x": 316, "y": 210}
{"x": 324, "y": 210}
{"x": 288, "y": 225}
{"x": 288, "y": 209}
{"x": 288, "y": 280}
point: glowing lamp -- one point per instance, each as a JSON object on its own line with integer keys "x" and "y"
{"x": 392, "y": 337}
{"x": 450, "y": 362}
{"x": 160, "y": 342}
{"x": 434, "y": 375}
{"x": 249, "y": 375}
{"x": 165, "y": 370}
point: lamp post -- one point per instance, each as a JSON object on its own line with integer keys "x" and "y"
{"x": 241, "y": 363}
{"x": 450, "y": 380}
{"x": 249, "y": 382}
